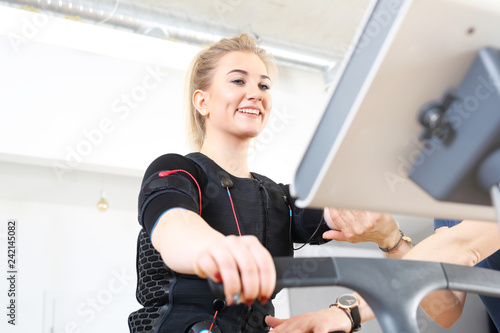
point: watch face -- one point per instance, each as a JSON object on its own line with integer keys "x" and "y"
{"x": 348, "y": 301}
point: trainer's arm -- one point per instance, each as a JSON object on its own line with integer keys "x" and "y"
{"x": 467, "y": 244}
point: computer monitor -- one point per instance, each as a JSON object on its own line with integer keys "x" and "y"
{"x": 409, "y": 54}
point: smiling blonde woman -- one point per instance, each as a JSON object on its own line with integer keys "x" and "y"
{"x": 205, "y": 215}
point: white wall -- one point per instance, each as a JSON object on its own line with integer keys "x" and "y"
{"x": 75, "y": 267}
{"x": 87, "y": 110}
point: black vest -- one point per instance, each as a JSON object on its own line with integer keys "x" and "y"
{"x": 174, "y": 302}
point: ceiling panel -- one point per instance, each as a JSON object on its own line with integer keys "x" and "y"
{"x": 327, "y": 25}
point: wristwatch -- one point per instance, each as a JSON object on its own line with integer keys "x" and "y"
{"x": 350, "y": 304}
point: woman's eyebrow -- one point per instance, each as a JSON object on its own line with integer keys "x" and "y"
{"x": 246, "y": 73}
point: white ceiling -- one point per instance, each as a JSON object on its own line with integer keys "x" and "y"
{"x": 323, "y": 25}
{"x": 317, "y": 27}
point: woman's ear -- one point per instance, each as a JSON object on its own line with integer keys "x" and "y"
{"x": 200, "y": 102}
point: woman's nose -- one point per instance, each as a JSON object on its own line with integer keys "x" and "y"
{"x": 254, "y": 93}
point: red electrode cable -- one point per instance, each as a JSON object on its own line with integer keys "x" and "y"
{"x": 213, "y": 322}
{"x": 234, "y": 212}
{"x": 169, "y": 172}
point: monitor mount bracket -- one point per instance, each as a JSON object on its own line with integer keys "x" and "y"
{"x": 460, "y": 158}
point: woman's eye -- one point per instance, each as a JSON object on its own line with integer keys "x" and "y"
{"x": 264, "y": 86}
{"x": 238, "y": 82}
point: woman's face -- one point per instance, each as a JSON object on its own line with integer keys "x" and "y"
{"x": 238, "y": 102}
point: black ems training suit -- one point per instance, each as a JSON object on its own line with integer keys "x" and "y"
{"x": 174, "y": 302}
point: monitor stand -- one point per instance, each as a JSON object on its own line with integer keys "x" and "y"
{"x": 460, "y": 158}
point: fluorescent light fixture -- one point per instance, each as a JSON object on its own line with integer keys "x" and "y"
{"x": 302, "y": 59}
{"x": 22, "y": 26}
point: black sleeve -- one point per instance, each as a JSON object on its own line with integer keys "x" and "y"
{"x": 308, "y": 224}
{"x": 167, "y": 183}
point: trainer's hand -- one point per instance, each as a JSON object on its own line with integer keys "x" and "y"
{"x": 242, "y": 264}
{"x": 361, "y": 226}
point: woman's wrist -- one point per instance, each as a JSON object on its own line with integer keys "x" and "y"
{"x": 343, "y": 321}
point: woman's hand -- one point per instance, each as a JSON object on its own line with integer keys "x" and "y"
{"x": 244, "y": 266}
{"x": 323, "y": 321}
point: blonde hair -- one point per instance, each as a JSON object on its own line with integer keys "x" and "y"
{"x": 200, "y": 73}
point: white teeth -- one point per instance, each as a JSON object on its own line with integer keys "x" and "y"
{"x": 252, "y": 111}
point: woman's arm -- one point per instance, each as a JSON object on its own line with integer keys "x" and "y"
{"x": 169, "y": 208}
{"x": 189, "y": 245}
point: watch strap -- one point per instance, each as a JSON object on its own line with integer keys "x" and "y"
{"x": 356, "y": 319}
